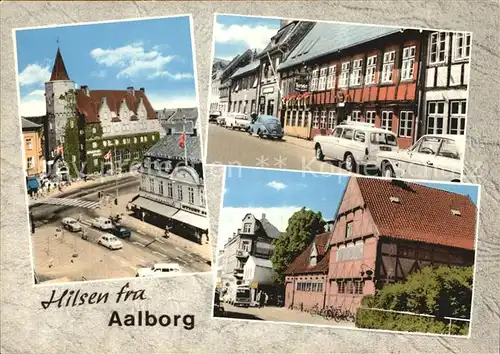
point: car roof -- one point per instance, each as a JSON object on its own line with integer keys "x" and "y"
{"x": 366, "y": 128}
{"x": 108, "y": 235}
{"x": 459, "y": 139}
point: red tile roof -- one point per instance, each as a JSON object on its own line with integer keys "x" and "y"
{"x": 424, "y": 214}
{"x": 59, "y": 69}
{"x": 89, "y": 105}
{"x": 300, "y": 265}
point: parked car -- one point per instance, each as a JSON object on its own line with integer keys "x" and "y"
{"x": 110, "y": 241}
{"x": 432, "y": 157}
{"x": 355, "y": 144}
{"x": 102, "y": 223}
{"x": 221, "y": 120}
{"x": 266, "y": 126}
{"x": 71, "y": 224}
{"x": 120, "y": 231}
{"x": 158, "y": 269}
{"x": 237, "y": 121}
{"x": 218, "y": 308}
{"x": 212, "y": 116}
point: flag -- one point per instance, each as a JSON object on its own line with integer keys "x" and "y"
{"x": 182, "y": 140}
{"x": 108, "y": 155}
{"x": 59, "y": 150}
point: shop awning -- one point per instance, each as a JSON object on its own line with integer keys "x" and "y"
{"x": 191, "y": 219}
{"x": 155, "y": 207}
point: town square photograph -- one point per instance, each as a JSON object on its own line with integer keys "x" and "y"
{"x": 339, "y": 97}
{"x": 112, "y": 151}
{"x": 347, "y": 251}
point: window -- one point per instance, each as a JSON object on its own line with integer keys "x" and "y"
{"x": 387, "y": 69}
{"x": 358, "y": 287}
{"x": 322, "y": 79}
{"x": 449, "y": 149}
{"x": 370, "y": 117}
{"x": 348, "y": 229}
{"x": 71, "y": 124}
{"x": 429, "y": 146}
{"x": 170, "y": 192}
{"x": 387, "y": 120}
{"x": 330, "y": 80}
{"x": 356, "y": 72}
{"x": 160, "y": 187}
{"x": 356, "y": 116}
{"x": 371, "y": 67}
{"x": 30, "y": 162}
{"x": 247, "y": 227}
{"x": 126, "y": 155}
{"x": 136, "y": 154}
{"x": 360, "y": 136}
{"x": 202, "y": 197}
{"x": 461, "y": 46}
{"x": 191, "y": 195}
{"x": 73, "y": 158}
{"x": 151, "y": 185}
{"x": 316, "y": 120}
{"x": 104, "y": 143}
{"x": 348, "y": 132}
{"x": 337, "y": 133}
{"x": 458, "y": 113}
{"x": 29, "y": 144}
{"x": 294, "y": 116}
{"x": 314, "y": 80}
{"x": 96, "y": 162}
{"x": 405, "y": 124}
{"x": 323, "y": 120}
{"x": 341, "y": 287}
{"x": 179, "y": 192}
{"x": 408, "y": 63}
{"x": 438, "y": 47}
{"x": 299, "y": 118}
{"x": 344, "y": 75}
{"x": 435, "y": 117}
{"x": 94, "y": 130}
{"x": 331, "y": 119}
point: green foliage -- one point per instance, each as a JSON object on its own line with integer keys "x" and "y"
{"x": 303, "y": 226}
{"x": 71, "y": 146}
{"x": 444, "y": 291}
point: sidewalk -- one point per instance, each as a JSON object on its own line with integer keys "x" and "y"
{"x": 307, "y": 144}
{"x": 204, "y": 250}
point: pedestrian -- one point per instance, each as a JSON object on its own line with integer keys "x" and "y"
{"x": 206, "y": 235}
{"x": 262, "y": 299}
{"x": 79, "y": 216}
{"x": 32, "y": 227}
{"x": 259, "y": 298}
{"x": 167, "y": 232}
{"x": 266, "y": 298}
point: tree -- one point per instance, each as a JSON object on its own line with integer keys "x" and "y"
{"x": 302, "y": 227}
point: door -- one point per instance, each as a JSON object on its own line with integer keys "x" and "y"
{"x": 422, "y": 158}
{"x": 447, "y": 166}
{"x": 345, "y": 143}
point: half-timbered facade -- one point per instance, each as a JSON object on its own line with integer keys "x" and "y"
{"x": 446, "y": 81}
{"x": 356, "y": 73}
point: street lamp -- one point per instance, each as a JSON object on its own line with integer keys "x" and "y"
{"x": 366, "y": 270}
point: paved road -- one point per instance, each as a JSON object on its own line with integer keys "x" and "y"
{"x": 230, "y": 147}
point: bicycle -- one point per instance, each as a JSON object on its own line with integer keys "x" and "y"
{"x": 315, "y": 310}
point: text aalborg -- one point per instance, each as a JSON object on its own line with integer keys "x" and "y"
{"x": 72, "y": 298}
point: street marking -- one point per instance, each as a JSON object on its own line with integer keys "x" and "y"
{"x": 138, "y": 243}
{"x": 180, "y": 250}
{"x": 141, "y": 232}
{"x": 160, "y": 240}
{"x": 181, "y": 260}
{"x": 160, "y": 254}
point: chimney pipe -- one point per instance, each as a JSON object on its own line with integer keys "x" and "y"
{"x": 142, "y": 89}
{"x": 263, "y": 215}
{"x": 130, "y": 89}
{"x": 85, "y": 89}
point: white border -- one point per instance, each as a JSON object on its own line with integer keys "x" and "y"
{"x": 23, "y": 154}
{"x": 468, "y": 336}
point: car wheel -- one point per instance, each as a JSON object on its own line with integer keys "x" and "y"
{"x": 387, "y": 171}
{"x": 349, "y": 163}
{"x": 232, "y": 127}
{"x": 319, "y": 153}
{"x": 259, "y": 133}
{"x": 249, "y": 131}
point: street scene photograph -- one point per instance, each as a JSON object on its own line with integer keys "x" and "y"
{"x": 346, "y": 251}
{"x": 112, "y": 151}
{"x": 339, "y": 98}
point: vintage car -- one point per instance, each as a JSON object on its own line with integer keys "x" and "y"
{"x": 355, "y": 144}
{"x": 266, "y": 126}
{"x": 158, "y": 270}
{"x": 237, "y": 121}
{"x": 110, "y": 241}
{"x": 212, "y": 116}
{"x": 433, "y": 157}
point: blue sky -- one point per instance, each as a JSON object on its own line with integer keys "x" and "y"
{"x": 280, "y": 193}
{"x": 235, "y": 34}
{"x": 111, "y": 55}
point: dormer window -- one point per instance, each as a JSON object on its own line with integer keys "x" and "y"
{"x": 348, "y": 230}
{"x": 455, "y": 212}
{"x": 395, "y": 200}
{"x": 313, "y": 257}
{"x": 247, "y": 227}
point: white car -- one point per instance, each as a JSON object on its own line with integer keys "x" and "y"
{"x": 71, "y": 224}
{"x": 355, "y": 144}
{"x": 436, "y": 157}
{"x": 102, "y": 223}
{"x": 237, "y": 121}
{"x": 158, "y": 270}
{"x": 110, "y": 241}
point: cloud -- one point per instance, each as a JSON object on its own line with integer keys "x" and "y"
{"x": 135, "y": 61}
{"x": 276, "y": 185}
{"x": 33, "y": 104}
{"x": 98, "y": 73}
{"x": 34, "y": 74}
{"x": 161, "y": 101}
{"x": 252, "y": 36}
{"x": 230, "y": 219}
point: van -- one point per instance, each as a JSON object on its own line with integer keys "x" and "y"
{"x": 355, "y": 144}
{"x": 158, "y": 269}
{"x": 102, "y": 223}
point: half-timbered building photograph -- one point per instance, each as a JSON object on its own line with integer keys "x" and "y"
{"x": 399, "y": 254}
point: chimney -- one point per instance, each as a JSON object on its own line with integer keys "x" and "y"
{"x": 263, "y": 216}
{"x": 234, "y": 234}
{"x": 85, "y": 90}
{"x": 130, "y": 90}
{"x": 239, "y": 230}
{"x": 142, "y": 89}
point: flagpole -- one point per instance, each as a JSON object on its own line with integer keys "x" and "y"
{"x": 185, "y": 139}
{"x": 116, "y": 174}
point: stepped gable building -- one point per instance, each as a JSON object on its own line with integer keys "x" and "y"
{"x": 172, "y": 188}
{"x": 87, "y": 124}
{"x": 354, "y": 72}
{"x": 244, "y": 83}
{"x": 385, "y": 230}
{"x": 218, "y": 66}
{"x": 307, "y": 276}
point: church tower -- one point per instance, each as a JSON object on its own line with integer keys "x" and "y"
{"x": 56, "y": 108}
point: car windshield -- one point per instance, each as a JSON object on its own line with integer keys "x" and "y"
{"x": 71, "y": 221}
{"x": 449, "y": 149}
{"x": 383, "y": 139}
{"x": 428, "y": 145}
{"x": 113, "y": 239}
